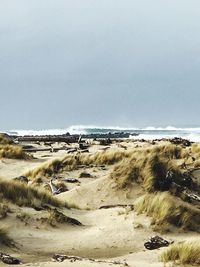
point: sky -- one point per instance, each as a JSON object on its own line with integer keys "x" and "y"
{"x": 99, "y": 62}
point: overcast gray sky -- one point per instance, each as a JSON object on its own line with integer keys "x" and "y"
{"x": 103, "y": 62}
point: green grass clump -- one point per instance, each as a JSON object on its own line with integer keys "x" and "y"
{"x": 24, "y": 195}
{"x": 167, "y": 210}
{"x": 187, "y": 252}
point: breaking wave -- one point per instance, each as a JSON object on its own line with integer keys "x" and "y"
{"x": 147, "y": 133}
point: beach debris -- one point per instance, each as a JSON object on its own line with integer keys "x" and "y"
{"x": 61, "y": 218}
{"x": 105, "y": 142}
{"x": 53, "y": 187}
{"x": 117, "y": 206}
{"x": 122, "y": 146}
{"x": 183, "y": 180}
{"x": 85, "y": 151}
{"x": 180, "y": 141}
{"x": 72, "y": 150}
{"x": 61, "y": 258}
{"x": 85, "y": 175}
{"x": 182, "y": 186}
{"x": 7, "y": 259}
{"x": 104, "y": 148}
{"x": 185, "y": 193}
{"x": 70, "y": 180}
{"x": 79, "y": 139}
{"x": 22, "y": 179}
{"x": 83, "y": 146}
{"x": 156, "y": 242}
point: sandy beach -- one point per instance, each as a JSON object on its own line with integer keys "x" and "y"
{"x": 112, "y": 231}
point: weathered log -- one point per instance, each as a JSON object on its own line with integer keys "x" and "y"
{"x": 61, "y": 258}
{"x": 70, "y": 180}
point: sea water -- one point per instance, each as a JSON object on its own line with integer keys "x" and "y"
{"x": 148, "y": 133}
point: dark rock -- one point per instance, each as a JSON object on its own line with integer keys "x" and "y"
{"x": 83, "y": 146}
{"x": 180, "y": 141}
{"x": 187, "y": 180}
{"x": 85, "y": 175}
{"x": 105, "y": 142}
{"x": 71, "y": 180}
{"x": 156, "y": 242}
{"x": 7, "y": 259}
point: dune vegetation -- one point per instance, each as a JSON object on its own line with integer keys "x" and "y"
{"x": 167, "y": 210}
{"x": 187, "y": 252}
{"x": 148, "y": 166}
{"x": 24, "y": 195}
{"x": 4, "y": 238}
{"x": 5, "y": 140}
{"x": 71, "y": 162}
{"x": 10, "y": 150}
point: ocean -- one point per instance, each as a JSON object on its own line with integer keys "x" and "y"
{"x": 148, "y": 133}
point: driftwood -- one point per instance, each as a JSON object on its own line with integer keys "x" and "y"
{"x": 43, "y": 149}
{"x": 47, "y": 138}
{"x": 116, "y": 206}
{"x": 71, "y": 180}
{"x": 184, "y": 188}
{"x": 185, "y": 193}
{"x": 67, "y": 138}
{"x": 61, "y": 258}
{"x": 54, "y": 189}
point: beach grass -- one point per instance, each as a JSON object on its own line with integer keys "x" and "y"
{"x": 4, "y": 238}
{"x": 24, "y": 195}
{"x": 5, "y": 139}
{"x": 70, "y": 162}
{"x": 166, "y": 210}
{"x": 148, "y": 166}
{"x": 187, "y": 252}
{"x": 12, "y": 152}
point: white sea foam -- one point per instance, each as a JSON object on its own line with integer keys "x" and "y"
{"x": 191, "y": 137}
{"x": 148, "y": 133}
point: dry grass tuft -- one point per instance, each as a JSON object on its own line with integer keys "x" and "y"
{"x": 5, "y": 140}
{"x": 4, "y": 238}
{"x": 12, "y": 152}
{"x": 4, "y": 209}
{"x": 23, "y": 195}
{"x": 167, "y": 210}
{"x": 71, "y": 162}
{"x": 187, "y": 252}
{"x": 148, "y": 166}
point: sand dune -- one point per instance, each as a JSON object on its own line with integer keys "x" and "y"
{"x": 112, "y": 232}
